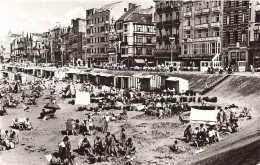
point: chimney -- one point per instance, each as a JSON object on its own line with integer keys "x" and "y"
{"x": 131, "y": 5}
{"x": 57, "y": 24}
{"x": 151, "y": 6}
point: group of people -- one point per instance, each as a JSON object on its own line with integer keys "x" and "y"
{"x": 22, "y": 125}
{"x": 8, "y": 140}
{"x": 99, "y": 151}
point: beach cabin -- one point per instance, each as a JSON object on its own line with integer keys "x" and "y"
{"x": 179, "y": 84}
{"x": 146, "y": 82}
{"x": 123, "y": 82}
{"x": 107, "y": 79}
{"x": 94, "y": 77}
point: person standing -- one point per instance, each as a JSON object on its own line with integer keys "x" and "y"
{"x": 222, "y": 118}
{"x": 107, "y": 119}
{"x": 90, "y": 124}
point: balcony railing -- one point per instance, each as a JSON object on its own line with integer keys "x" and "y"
{"x": 215, "y": 25}
{"x": 198, "y": 12}
{"x": 187, "y": 28}
{"x": 168, "y": 23}
{"x": 168, "y": 9}
{"x": 205, "y": 11}
{"x": 159, "y": 24}
{"x": 166, "y": 38}
{"x": 216, "y": 9}
{"x": 124, "y": 43}
{"x": 176, "y": 22}
{"x": 159, "y": 39}
{"x": 159, "y": 10}
{"x": 91, "y": 24}
{"x": 187, "y": 14}
{"x": 202, "y": 26}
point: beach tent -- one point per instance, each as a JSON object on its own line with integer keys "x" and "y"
{"x": 82, "y": 98}
{"x": 179, "y": 84}
{"x": 203, "y": 116}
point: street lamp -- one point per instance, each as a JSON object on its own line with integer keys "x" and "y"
{"x": 171, "y": 39}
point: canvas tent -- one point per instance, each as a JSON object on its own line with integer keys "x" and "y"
{"x": 204, "y": 116}
{"x": 82, "y": 98}
{"x": 179, "y": 84}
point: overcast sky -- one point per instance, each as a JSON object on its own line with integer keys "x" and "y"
{"x": 40, "y": 15}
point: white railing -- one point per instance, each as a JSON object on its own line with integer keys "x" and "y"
{"x": 187, "y": 14}
{"x": 215, "y": 24}
{"x": 202, "y": 26}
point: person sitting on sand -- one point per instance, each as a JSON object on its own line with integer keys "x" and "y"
{"x": 55, "y": 160}
{"x": 27, "y": 124}
{"x": 13, "y": 136}
{"x": 211, "y": 136}
{"x": 85, "y": 147}
{"x": 130, "y": 148}
{"x": 175, "y": 147}
{"x": 98, "y": 147}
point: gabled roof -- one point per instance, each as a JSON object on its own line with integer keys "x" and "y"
{"x": 140, "y": 19}
{"x": 109, "y": 6}
{"x": 15, "y": 35}
{"x": 129, "y": 12}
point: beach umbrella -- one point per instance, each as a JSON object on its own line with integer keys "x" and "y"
{"x": 52, "y": 106}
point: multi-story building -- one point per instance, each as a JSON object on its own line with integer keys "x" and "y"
{"x": 98, "y": 30}
{"x": 254, "y": 33}
{"x": 235, "y": 34}
{"x": 136, "y": 32}
{"x": 167, "y": 18}
{"x": 78, "y": 31}
{"x": 56, "y": 43}
{"x": 201, "y": 33}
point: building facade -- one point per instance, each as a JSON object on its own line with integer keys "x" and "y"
{"x": 136, "y": 33}
{"x": 254, "y": 34}
{"x": 167, "y": 18}
{"x": 235, "y": 35}
{"x": 201, "y": 33}
{"x": 79, "y": 38}
{"x": 98, "y": 30}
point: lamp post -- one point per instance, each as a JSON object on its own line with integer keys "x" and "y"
{"x": 171, "y": 39}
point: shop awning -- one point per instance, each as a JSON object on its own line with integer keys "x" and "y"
{"x": 140, "y": 61}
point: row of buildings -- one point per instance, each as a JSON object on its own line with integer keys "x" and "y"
{"x": 209, "y": 33}
{"x": 194, "y": 33}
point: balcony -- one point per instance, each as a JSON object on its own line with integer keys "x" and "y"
{"x": 91, "y": 25}
{"x": 176, "y": 22}
{"x": 168, "y": 9}
{"x": 205, "y": 11}
{"x": 159, "y": 10}
{"x": 166, "y": 38}
{"x": 158, "y": 39}
{"x": 216, "y": 9}
{"x": 215, "y": 25}
{"x": 91, "y": 34}
{"x": 187, "y": 14}
{"x": 198, "y": 12}
{"x": 168, "y": 23}
{"x": 159, "y": 25}
{"x": 202, "y": 26}
{"x": 106, "y": 32}
{"x": 187, "y": 28}
{"x": 91, "y": 44}
{"x": 124, "y": 43}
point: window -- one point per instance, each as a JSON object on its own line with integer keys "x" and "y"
{"x": 139, "y": 29}
{"x": 203, "y": 48}
{"x": 229, "y": 4}
{"x": 148, "y": 29}
{"x": 95, "y": 20}
{"x": 148, "y": 51}
{"x": 148, "y": 40}
{"x": 213, "y": 48}
{"x": 125, "y": 9}
{"x": 88, "y": 40}
{"x": 217, "y": 33}
{"x": 124, "y": 50}
{"x": 199, "y": 20}
{"x": 88, "y": 31}
{"x": 199, "y": 34}
{"x": 256, "y": 35}
{"x": 185, "y": 49}
{"x": 237, "y": 3}
{"x": 235, "y": 36}
{"x": 102, "y": 29}
{"x": 139, "y": 51}
{"x": 102, "y": 39}
{"x": 139, "y": 39}
{"x": 207, "y": 19}
{"x": 102, "y": 19}
{"x": 235, "y": 19}
{"x": 102, "y": 50}
{"x": 243, "y": 36}
{"x": 98, "y": 20}
{"x": 188, "y": 22}
{"x": 207, "y": 5}
{"x": 125, "y": 38}
{"x": 98, "y": 29}
{"x": 160, "y": 18}
{"x": 257, "y": 16}
{"x": 217, "y": 18}
{"x": 107, "y": 18}
{"x": 194, "y": 49}
{"x": 242, "y": 56}
{"x": 245, "y": 3}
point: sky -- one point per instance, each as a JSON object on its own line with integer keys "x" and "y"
{"x": 38, "y": 16}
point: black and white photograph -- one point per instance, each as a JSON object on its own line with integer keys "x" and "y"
{"x": 130, "y": 82}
